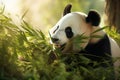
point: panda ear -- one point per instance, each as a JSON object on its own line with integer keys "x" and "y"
{"x": 67, "y": 9}
{"x": 93, "y": 18}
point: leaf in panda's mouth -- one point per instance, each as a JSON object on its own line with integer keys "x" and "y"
{"x": 61, "y": 47}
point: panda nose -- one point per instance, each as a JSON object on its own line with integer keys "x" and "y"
{"x": 54, "y": 40}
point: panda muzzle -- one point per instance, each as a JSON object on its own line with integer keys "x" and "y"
{"x": 54, "y": 40}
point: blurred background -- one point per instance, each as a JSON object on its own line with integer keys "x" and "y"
{"x": 43, "y": 14}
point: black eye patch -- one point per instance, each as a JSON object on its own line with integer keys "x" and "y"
{"x": 69, "y": 32}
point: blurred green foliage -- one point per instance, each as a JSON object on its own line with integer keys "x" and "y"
{"x": 113, "y": 33}
{"x": 54, "y": 10}
{"x": 27, "y": 55}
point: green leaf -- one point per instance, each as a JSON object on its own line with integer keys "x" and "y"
{"x": 99, "y": 30}
{"x": 2, "y": 9}
{"x": 24, "y": 14}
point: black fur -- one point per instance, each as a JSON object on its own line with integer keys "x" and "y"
{"x": 69, "y": 32}
{"x": 93, "y": 18}
{"x": 99, "y": 51}
{"x": 67, "y": 9}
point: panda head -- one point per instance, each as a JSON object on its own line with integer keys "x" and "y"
{"x": 71, "y": 25}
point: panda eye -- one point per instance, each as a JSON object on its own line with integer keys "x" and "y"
{"x": 68, "y": 31}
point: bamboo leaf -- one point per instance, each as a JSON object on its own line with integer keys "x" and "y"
{"x": 2, "y": 9}
{"x": 99, "y": 30}
{"x": 24, "y": 14}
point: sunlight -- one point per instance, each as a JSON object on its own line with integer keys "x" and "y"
{"x": 11, "y": 6}
{"x": 17, "y": 8}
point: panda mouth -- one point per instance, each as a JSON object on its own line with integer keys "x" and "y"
{"x": 61, "y": 47}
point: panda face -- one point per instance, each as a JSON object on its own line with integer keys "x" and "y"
{"x": 72, "y": 25}
{"x": 66, "y": 29}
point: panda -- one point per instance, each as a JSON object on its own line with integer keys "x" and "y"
{"x": 73, "y": 24}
